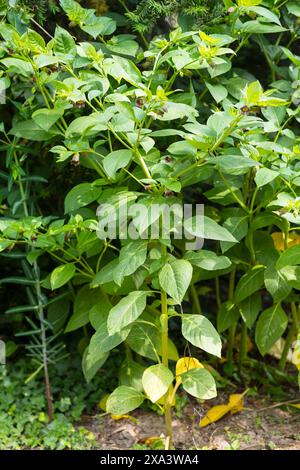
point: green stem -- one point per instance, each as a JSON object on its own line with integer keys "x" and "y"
{"x": 233, "y": 327}
{"x": 195, "y": 300}
{"x": 165, "y": 361}
{"x": 243, "y": 345}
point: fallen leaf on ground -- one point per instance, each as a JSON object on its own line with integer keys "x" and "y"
{"x": 119, "y": 417}
{"x": 234, "y": 405}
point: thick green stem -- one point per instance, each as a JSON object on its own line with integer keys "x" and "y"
{"x": 165, "y": 361}
{"x": 195, "y": 300}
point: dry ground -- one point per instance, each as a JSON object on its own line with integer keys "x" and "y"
{"x": 260, "y": 426}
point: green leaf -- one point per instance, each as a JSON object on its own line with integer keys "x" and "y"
{"x": 102, "y": 341}
{"x": 5, "y": 244}
{"x": 265, "y": 176}
{"x": 61, "y": 275}
{"x": 145, "y": 340}
{"x": 276, "y": 284}
{"x": 294, "y": 8}
{"x": 265, "y": 13}
{"x": 270, "y": 327}
{"x": 30, "y": 130}
{"x": 124, "y": 399}
{"x": 80, "y": 196}
{"x": 251, "y": 282}
{"x": 64, "y": 44}
{"x": 255, "y": 27}
{"x": 206, "y": 228}
{"x": 87, "y": 125}
{"x": 250, "y": 308}
{"x": 175, "y": 278}
{"x": 199, "y": 331}
{"x": 156, "y": 381}
{"x": 234, "y": 164}
{"x": 131, "y": 374}
{"x": 289, "y": 257}
{"x": 99, "y": 313}
{"x": 58, "y": 312}
{"x": 126, "y": 311}
{"x": 132, "y": 256}
{"x": 218, "y": 92}
{"x": 116, "y": 160}
{"x": 199, "y": 383}
{"x": 207, "y": 260}
{"x": 99, "y": 26}
{"x": 228, "y": 314}
{"x": 85, "y": 300}
{"x": 91, "y": 365}
{"x": 238, "y": 227}
{"x": 292, "y": 276}
{"x": 45, "y": 118}
{"x": 18, "y": 66}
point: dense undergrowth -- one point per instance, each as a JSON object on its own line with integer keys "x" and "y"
{"x": 125, "y": 107}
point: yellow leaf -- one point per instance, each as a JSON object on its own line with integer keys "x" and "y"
{"x": 296, "y": 354}
{"x": 184, "y": 364}
{"x": 150, "y": 440}
{"x": 278, "y": 239}
{"x": 296, "y": 406}
{"x": 208, "y": 39}
{"x": 234, "y": 405}
{"x": 249, "y": 3}
{"x": 236, "y": 402}
{"x": 119, "y": 417}
{"x": 102, "y": 402}
{"x": 214, "y": 414}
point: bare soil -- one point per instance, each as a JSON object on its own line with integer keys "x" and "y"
{"x": 260, "y": 426}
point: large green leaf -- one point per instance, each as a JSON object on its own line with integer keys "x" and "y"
{"x": 30, "y": 130}
{"x": 206, "y": 228}
{"x": 80, "y": 196}
{"x": 116, "y": 160}
{"x": 251, "y": 282}
{"x": 102, "y": 341}
{"x": 124, "y": 399}
{"x": 250, "y": 308}
{"x": 199, "y": 383}
{"x": 276, "y": 284}
{"x": 156, "y": 381}
{"x": 145, "y": 340}
{"x": 207, "y": 260}
{"x": 131, "y": 374}
{"x": 91, "y": 364}
{"x": 199, "y": 331}
{"x": 289, "y": 257}
{"x": 64, "y": 44}
{"x": 132, "y": 256}
{"x": 175, "y": 278}
{"x": 45, "y": 118}
{"x": 126, "y": 311}
{"x": 270, "y": 327}
{"x": 61, "y": 275}
{"x": 85, "y": 300}
{"x": 228, "y": 314}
